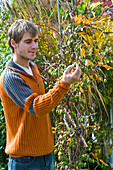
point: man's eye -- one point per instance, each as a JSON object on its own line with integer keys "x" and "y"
{"x": 28, "y": 42}
{"x": 36, "y": 41}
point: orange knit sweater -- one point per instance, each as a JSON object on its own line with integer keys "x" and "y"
{"x": 26, "y": 109}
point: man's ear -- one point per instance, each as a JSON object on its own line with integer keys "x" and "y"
{"x": 13, "y": 43}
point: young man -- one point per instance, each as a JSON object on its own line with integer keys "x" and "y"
{"x": 26, "y": 106}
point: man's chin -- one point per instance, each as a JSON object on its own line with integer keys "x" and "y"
{"x": 32, "y": 57}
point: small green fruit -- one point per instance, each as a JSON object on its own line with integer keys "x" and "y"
{"x": 105, "y": 81}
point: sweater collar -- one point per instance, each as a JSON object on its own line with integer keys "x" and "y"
{"x": 15, "y": 67}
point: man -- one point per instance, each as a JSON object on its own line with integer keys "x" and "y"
{"x": 26, "y": 106}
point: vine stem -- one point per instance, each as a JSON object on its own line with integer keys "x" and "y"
{"x": 59, "y": 21}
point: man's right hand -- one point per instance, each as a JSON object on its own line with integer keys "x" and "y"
{"x": 72, "y": 74}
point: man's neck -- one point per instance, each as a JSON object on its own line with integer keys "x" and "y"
{"x": 24, "y": 63}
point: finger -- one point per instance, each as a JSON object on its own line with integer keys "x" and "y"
{"x": 77, "y": 67}
{"x": 77, "y": 71}
{"x": 69, "y": 68}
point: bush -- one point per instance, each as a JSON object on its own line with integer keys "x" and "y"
{"x": 80, "y": 122}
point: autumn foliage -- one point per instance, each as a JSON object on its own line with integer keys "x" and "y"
{"x": 83, "y": 34}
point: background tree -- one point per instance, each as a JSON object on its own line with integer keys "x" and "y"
{"x": 81, "y": 120}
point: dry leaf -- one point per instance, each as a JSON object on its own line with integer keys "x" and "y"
{"x": 107, "y": 67}
{"x": 88, "y": 62}
{"x": 82, "y": 52}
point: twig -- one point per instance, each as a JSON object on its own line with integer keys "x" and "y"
{"x": 83, "y": 140}
{"x": 59, "y": 21}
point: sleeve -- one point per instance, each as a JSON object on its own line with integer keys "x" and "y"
{"x": 43, "y": 104}
{"x": 24, "y": 97}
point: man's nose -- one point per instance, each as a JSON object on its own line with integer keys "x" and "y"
{"x": 34, "y": 45}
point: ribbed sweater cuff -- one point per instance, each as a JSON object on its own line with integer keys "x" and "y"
{"x": 64, "y": 85}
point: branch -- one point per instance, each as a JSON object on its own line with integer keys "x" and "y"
{"x": 83, "y": 140}
{"x": 103, "y": 13}
{"x": 59, "y": 21}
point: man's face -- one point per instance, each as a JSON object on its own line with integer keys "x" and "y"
{"x": 26, "y": 48}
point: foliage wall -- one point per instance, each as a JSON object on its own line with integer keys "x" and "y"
{"x": 4, "y": 56}
{"x": 71, "y": 32}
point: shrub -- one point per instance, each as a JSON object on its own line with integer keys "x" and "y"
{"x": 81, "y": 35}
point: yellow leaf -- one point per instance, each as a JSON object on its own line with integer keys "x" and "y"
{"x": 100, "y": 63}
{"x": 53, "y": 131}
{"x": 88, "y": 62}
{"x": 94, "y": 156}
{"x": 98, "y": 127}
{"x": 60, "y": 123}
{"x": 96, "y": 50}
{"x": 98, "y": 78}
{"x": 80, "y": 17}
{"x": 91, "y": 77}
{"x": 93, "y": 126}
{"x": 87, "y": 22}
{"x": 75, "y": 19}
{"x": 56, "y": 55}
{"x": 49, "y": 22}
{"x": 60, "y": 78}
{"x": 98, "y": 34}
{"x": 90, "y": 19}
{"x": 24, "y": 15}
{"x": 82, "y": 52}
{"x": 51, "y": 32}
{"x": 104, "y": 163}
{"x": 87, "y": 45}
{"x": 97, "y": 38}
{"x": 89, "y": 94}
{"x": 69, "y": 140}
{"x": 81, "y": 89}
{"x": 72, "y": 87}
{"x": 107, "y": 67}
{"x": 106, "y": 7}
{"x": 89, "y": 40}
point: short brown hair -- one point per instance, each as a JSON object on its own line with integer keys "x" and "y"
{"x": 17, "y": 30}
